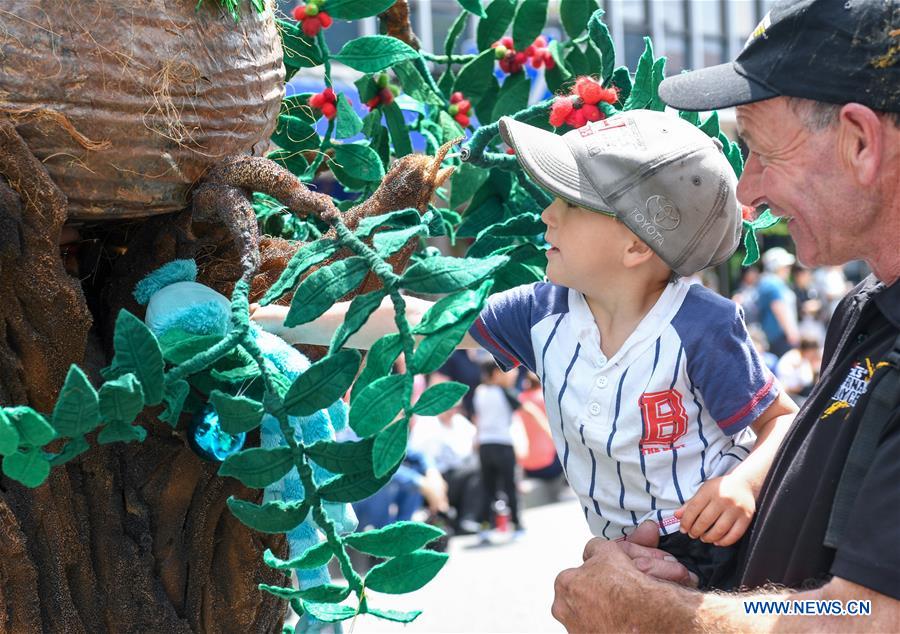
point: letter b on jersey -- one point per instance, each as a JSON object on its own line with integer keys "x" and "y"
{"x": 665, "y": 419}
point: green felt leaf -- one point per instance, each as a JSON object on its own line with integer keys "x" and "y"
{"x": 490, "y": 29}
{"x": 396, "y": 126}
{"x": 361, "y": 308}
{"x": 272, "y": 517}
{"x": 9, "y": 436}
{"x": 323, "y": 287}
{"x": 399, "y": 538}
{"x": 642, "y": 87}
{"x": 450, "y": 310}
{"x": 600, "y": 37}
{"x": 466, "y": 179}
{"x": 577, "y": 61}
{"x": 657, "y": 76}
{"x": 710, "y": 127}
{"x": 400, "y": 218}
{"x": 444, "y": 274}
{"x": 329, "y": 612}
{"x": 348, "y": 122}
{"x": 374, "y": 53}
{"x": 557, "y": 77}
{"x": 295, "y": 134}
{"x": 390, "y": 447}
{"x": 379, "y": 403}
{"x": 474, "y": 7}
{"x": 175, "y": 395}
{"x": 74, "y": 448}
{"x": 237, "y": 375}
{"x": 622, "y": 80}
{"x": 458, "y": 26}
{"x": 258, "y": 467}
{"x": 387, "y": 243}
{"x": 450, "y": 129}
{"x": 531, "y": 15}
{"x": 77, "y": 409}
{"x": 179, "y": 345}
{"x": 513, "y": 95}
{"x": 237, "y": 414}
{"x": 522, "y": 225}
{"x": 356, "y": 9}
{"x": 299, "y": 50}
{"x": 416, "y": 87}
{"x": 434, "y": 349}
{"x": 396, "y": 616}
{"x": 439, "y": 398}
{"x": 353, "y": 487}
{"x": 324, "y": 382}
{"x": 312, "y": 557}
{"x": 29, "y": 467}
{"x": 342, "y": 457}
{"x": 594, "y": 59}
{"x": 121, "y": 399}
{"x": 381, "y": 357}
{"x": 121, "y": 431}
{"x": 474, "y": 78}
{"x": 405, "y": 573}
{"x": 489, "y": 244}
{"x": 32, "y": 427}
{"x": 358, "y": 160}
{"x": 137, "y": 351}
{"x": 325, "y": 593}
{"x": 574, "y": 15}
{"x": 297, "y": 105}
{"x": 307, "y": 256}
{"x": 690, "y": 116}
{"x": 484, "y": 105}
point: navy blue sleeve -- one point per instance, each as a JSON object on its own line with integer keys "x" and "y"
{"x": 504, "y": 327}
{"x": 722, "y": 362}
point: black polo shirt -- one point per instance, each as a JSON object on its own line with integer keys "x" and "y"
{"x": 785, "y": 542}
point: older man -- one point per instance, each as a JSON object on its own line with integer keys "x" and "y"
{"x": 817, "y": 90}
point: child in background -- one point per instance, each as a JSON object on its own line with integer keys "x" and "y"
{"x": 660, "y": 407}
{"x": 494, "y": 406}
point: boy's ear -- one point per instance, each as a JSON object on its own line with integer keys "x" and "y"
{"x": 636, "y": 253}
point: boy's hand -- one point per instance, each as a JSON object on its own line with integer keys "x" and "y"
{"x": 720, "y": 512}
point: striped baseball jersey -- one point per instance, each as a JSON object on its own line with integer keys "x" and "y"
{"x": 637, "y": 433}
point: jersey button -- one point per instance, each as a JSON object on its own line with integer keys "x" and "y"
{"x": 594, "y": 408}
{"x": 602, "y": 381}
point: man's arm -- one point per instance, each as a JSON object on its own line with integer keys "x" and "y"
{"x": 320, "y": 331}
{"x": 604, "y": 593}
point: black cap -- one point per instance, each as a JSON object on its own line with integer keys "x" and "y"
{"x": 836, "y": 51}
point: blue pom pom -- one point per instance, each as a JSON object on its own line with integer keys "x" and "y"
{"x": 174, "y": 271}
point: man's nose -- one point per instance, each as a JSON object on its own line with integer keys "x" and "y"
{"x": 749, "y": 190}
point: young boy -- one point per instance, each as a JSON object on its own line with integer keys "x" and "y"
{"x": 652, "y": 386}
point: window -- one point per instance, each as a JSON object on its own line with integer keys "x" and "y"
{"x": 636, "y": 25}
{"x": 675, "y": 31}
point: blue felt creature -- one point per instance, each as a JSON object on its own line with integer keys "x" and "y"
{"x": 175, "y": 300}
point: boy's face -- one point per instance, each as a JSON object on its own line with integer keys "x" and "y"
{"x": 585, "y": 244}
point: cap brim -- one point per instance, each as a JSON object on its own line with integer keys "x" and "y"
{"x": 547, "y": 159}
{"x": 711, "y": 88}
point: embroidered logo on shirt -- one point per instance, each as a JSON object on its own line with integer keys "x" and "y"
{"x": 853, "y": 386}
{"x": 665, "y": 420}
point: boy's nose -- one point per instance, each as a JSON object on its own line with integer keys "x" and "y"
{"x": 548, "y": 216}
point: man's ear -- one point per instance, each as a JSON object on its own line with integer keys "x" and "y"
{"x": 636, "y": 253}
{"x": 860, "y": 142}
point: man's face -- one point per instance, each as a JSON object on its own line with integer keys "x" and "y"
{"x": 795, "y": 171}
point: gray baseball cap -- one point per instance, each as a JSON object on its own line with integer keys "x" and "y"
{"x": 667, "y": 181}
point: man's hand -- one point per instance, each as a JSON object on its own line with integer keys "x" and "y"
{"x": 641, "y": 546}
{"x": 720, "y": 512}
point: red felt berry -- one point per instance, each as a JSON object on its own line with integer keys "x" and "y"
{"x": 610, "y": 95}
{"x": 521, "y": 58}
{"x": 576, "y": 119}
{"x": 464, "y": 106}
{"x": 317, "y": 100}
{"x": 373, "y": 102}
{"x": 325, "y": 19}
{"x": 540, "y": 42}
{"x": 386, "y": 95}
{"x": 300, "y": 13}
{"x": 456, "y": 97}
{"x": 509, "y": 150}
{"x": 748, "y": 213}
{"x": 588, "y": 89}
{"x": 591, "y": 112}
{"x": 537, "y": 61}
{"x": 549, "y": 62}
{"x": 561, "y": 108}
{"x": 329, "y": 95}
{"x": 507, "y": 41}
{"x": 504, "y": 66}
{"x": 462, "y": 120}
{"x": 311, "y": 26}
{"x": 529, "y": 51}
{"x": 329, "y": 111}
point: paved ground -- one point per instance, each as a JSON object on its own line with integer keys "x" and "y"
{"x": 507, "y": 587}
